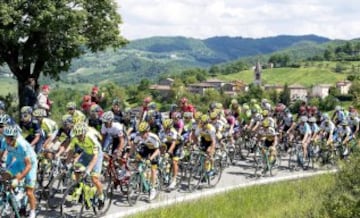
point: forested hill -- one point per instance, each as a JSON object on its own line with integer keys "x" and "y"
{"x": 151, "y": 57}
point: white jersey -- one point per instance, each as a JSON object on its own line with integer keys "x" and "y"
{"x": 116, "y": 129}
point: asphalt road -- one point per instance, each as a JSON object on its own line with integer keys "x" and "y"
{"x": 239, "y": 175}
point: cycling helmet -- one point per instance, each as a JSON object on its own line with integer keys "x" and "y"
{"x": 303, "y": 119}
{"x": 80, "y": 129}
{"x": 213, "y": 115}
{"x": 265, "y": 112}
{"x": 2, "y": 105}
{"x": 4, "y": 119}
{"x": 198, "y": 115}
{"x": 184, "y": 100}
{"x": 71, "y": 105}
{"x": 39, "y": 112}
{"x": 312, "y": 119}
{"x": 11, "y": 131}
{"x": 325, "y": 117}
{"x": 253, "y": 101}
{"x": 168, "y": 123}
{"x": 219, "y": 106}
{"x": 266, "y": 123}
{"x": 188, "y": 115}
{"x": 67, "y": 119}
{"x": 177, "y": 115}
{"x": 152, "y": 106}
{"x": 338, "y": 107}
{"x": 95, "y": 108}
{"x": 227, "y": 112}
{"x": 26, "y": 110}
{"x": 116, "y": 102}
{"x": 205, "y": 118}
{"x": 234, "y": 101}
{"x": 245, "y": 107}
{"x": 108, "y": 116}
{"x": 212, "y": 106}
{"x": 264, "y": 100}
{"x": 144, "y": 127}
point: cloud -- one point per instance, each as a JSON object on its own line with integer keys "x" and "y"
{"x": 247, "y": 18}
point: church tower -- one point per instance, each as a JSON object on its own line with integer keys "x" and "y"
{"x": 257, "y": 74}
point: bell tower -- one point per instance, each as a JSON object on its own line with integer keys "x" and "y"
{"x": 257, "y": 74}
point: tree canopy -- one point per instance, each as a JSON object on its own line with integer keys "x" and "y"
{"x": 44, "y": 36}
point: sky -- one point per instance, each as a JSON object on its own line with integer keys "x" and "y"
{"x": 202, "y": 19}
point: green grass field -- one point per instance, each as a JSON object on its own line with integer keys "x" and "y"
{"x": 299, "y": 198}
{"x": 306, "y": 76}
{"x": 7, "y": 85}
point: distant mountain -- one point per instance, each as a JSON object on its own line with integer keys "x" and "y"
{"x": 155, "y": 56}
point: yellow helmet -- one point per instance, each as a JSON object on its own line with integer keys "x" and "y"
{"x": 80, "y": 129}
{"x": 265, "y": 112}
{"x": 39, "y": 112}
{"x": 168, "y": 123}
{"x": 198, "y": 115}
{"x": 71, "y": 105}
{"x": 144, "y": 126}
{"x": 205, "y": 118}
{"x": 214, "y": 114}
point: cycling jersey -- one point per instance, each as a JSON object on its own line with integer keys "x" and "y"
{"x": 78, "y": 116}
{"x": 90, "y": 145}
{"x": 49, "y": 127}
{"x": 314, "y": 128}
{"x": 327, "y": 127}
{"x": 168, "y": 136}
{"x": 151, "y": 142}
{"x": 15, "y": 161}
{"x": 304, "y": 129}
{"x": 116, "y": 130}
{"x": 207, "y": 132}
{"x": 30, "y": 129}
{"x": 343, "y": 131}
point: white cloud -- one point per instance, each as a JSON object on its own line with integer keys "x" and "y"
{"x": 247, "y": 18}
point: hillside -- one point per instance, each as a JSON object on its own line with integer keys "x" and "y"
{"x": 152, "y": 57}
{"x": 316, "y": 73}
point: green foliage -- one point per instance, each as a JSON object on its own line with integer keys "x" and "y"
{"x": 285, "y": 95}
{"x": 42, "y": 37}
{"x": 297, "y": 198}
{"x": 279, "y": 60}
{"x": 344, "y": 199}
{"x": 328, "y": 103}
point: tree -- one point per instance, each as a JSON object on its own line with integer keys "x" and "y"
{"x": 42, "y": 37}
{"x": 285, "y": 95}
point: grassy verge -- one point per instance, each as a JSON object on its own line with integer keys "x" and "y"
{"x": 300, "y": 198}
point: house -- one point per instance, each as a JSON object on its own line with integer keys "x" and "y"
{"x": 320, "y": 90}
{"x": 166, "y": 82}
{"x": 298, "y": 92}
{"x": 215, "y": 82}
{"x": 276, "y": 87}
{"x": 164, "y": 90}
{"x": 344, "y": 87}
{"x": 200, "y": 88}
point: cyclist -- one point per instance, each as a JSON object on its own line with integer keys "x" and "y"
{"x": 21, "y": 163}
{"x": 178, "y": 122}
{"x": 77, "y": 115}
{"x": 145, "y": 107}
{"x": 188, "y": 126}
{"x": 338, "y": 116}
{"x": 149, "y": 144}
{"x": 96, "y": 113}
{"x": 31, "y": 129}
{"x": 235, "y": 108}
{"x": 354, "y": 121}
{"x": 154, "y": 120}
{"x": 327, "y": 129}
{"x": 119, "y": 115}
{"x": 269, "y": 136}
{"x": 173, "y": 141}
{"x": 207, "y": 135}
{"x": 344, "y": 136}
{"x": 91, "y": 156}
{"x": 305, "y": 134}
{"x": 64, "y": 131}
{"x": 48, "y": 126}
{"x": 112, "y": 132}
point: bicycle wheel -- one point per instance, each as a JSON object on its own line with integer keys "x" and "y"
{"x": 292, "y": 161}
{"x": 134, "y": 188}
{"x": 72, "y": 206}
{"x": 8, "y": 210}
{"x": 108, "y": 188}
{"x": 258, "y": 162}
{"x": 214, "y": 175}
{"x": 55, "y": 191}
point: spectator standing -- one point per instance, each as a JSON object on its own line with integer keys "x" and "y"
{"x": 96, "y": 96}
{"x": 30, "y": 97}
{"x": 43, "y": 100}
